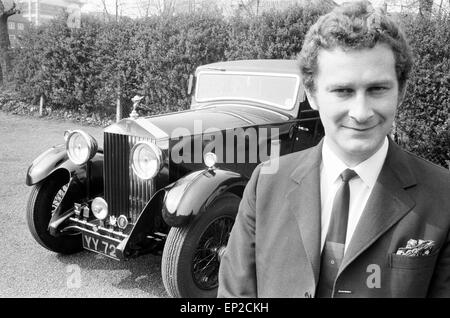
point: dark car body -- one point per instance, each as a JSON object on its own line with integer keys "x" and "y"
{"x": 244, "y": 112}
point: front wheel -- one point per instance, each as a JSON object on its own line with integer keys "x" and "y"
{"x": 191, "y": 256}
{"x": 42, "y": 203}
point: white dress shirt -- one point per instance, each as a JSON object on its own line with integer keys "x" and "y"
{"x": 360, "y": 186}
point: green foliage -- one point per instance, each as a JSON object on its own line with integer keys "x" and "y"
{"x": 168, "y": 50}
{"x": 273, "y": 35}
{"x": 423, "y": 119}
{"x": 59, "y": 63}
{"x": 88, "y": 69}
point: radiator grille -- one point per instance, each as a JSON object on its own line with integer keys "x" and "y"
{"x": 125, "y": 193}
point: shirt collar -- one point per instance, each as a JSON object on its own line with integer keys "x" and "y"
{"x": 368, "y": 170}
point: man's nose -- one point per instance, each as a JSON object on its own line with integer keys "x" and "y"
{"x": 360, "y": 109}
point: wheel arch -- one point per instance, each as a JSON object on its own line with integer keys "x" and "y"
{"x": 84, "y": 181}
{"x": 59, "y": 172}
{"x": 56, "y": 160}
{"x": 189, "y": 197}
{"x": 237, "y": 189}
{"x": 39, "y": 213}
{"x": 189, "y": 249}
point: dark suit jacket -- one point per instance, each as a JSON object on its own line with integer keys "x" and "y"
{"x": 274, "y": 247}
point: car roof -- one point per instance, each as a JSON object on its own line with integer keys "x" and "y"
{"x": 263, "y": 66}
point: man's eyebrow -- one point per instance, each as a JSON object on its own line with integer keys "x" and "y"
{"x": 338, "y": 85}
{"x": 382, "y": 82}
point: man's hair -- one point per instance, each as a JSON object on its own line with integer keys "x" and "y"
{"x": 353, "y": 26}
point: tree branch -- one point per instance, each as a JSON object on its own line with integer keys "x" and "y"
{"x": 105, "y": 10}
{"x": 104, "y": 7}
{"x": 247, "y": 6}
{"x": 12, "y": 11}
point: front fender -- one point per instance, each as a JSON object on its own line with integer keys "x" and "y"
{"x": 46, "y": 163}
{"x": 56, "y": 159}
{"x": 191, "y": 195}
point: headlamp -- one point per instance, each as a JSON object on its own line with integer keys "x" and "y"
{"x": 146, "y": 160}
{"x": 80, "y": 146}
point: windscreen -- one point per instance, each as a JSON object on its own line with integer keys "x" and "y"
{"x": 273, "y": 89}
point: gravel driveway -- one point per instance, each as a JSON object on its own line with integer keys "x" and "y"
{"x": 29, "y": 270}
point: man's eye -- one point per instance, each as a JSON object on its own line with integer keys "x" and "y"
{"x": 378, "y": 89}
{"x": 343, "y": 91}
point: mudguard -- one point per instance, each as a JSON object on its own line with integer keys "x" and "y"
{"x": 190, "y": 196}
{"x": 56, "y": 159}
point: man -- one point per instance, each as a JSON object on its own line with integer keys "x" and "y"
{"x": 355, "y": 216}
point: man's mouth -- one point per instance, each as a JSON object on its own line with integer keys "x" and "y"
{"x": 361, "y": 129}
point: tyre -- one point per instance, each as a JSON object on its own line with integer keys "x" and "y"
{"x": 42, "y": 202}
{"x": 191, "y": 255}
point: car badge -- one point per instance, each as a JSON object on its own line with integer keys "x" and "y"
{"x": 112, "y": 220}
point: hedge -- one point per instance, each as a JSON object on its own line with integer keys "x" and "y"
{"x": 273, "y": 35}
{"x": 423, "y": 119}
{"x": 87, "y": 69}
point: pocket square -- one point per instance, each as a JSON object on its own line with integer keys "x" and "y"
{"x": 416, "y": 248}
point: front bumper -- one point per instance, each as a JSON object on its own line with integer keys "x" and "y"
{"x": 114, "y": 242}
{"x": 110, "y": 241}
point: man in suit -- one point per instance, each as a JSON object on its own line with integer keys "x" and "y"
{"x": 355, "y": 216}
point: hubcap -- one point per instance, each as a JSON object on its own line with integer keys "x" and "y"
{"x": 220, "y": 252}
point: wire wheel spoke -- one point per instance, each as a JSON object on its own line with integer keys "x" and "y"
{"x": 206, "y": 257}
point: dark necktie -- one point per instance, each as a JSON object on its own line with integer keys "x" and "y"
{"x": 333, "y": 251}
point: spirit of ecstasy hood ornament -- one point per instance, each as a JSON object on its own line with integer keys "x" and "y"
{"x": 136, "y": 100}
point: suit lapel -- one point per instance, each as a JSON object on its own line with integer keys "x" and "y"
{"x": 387, "y": 204}
{"x": 304, "y": 202}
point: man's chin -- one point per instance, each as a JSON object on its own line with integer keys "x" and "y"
{"x": 361, "y": 149}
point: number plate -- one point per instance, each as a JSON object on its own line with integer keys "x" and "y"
{"x": 101, "y": 245}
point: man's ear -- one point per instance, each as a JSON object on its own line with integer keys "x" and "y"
{"x": 311, "y": 99}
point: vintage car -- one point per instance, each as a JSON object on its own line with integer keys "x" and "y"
{"x": 172, "y": 183}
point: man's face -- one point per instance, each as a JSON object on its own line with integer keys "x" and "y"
{"x": 356, "y": 93}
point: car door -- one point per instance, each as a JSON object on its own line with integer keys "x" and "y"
{"x": 308, "y": 129}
